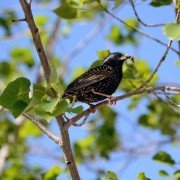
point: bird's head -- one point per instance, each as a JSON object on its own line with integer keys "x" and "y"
{"x": 117, "y": 57}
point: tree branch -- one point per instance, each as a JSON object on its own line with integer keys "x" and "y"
{"x": 124, "y": 96}
{"x": 36, "y": 37}
{"x": 139, "y": 19}
{"x": 139, "y": 31}
{"x": 65, "y": 141}
{"x": 66, "y": 147}
{"x": 43, "y": 128}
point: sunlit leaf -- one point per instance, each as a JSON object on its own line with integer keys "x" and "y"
{"x": 163, "y": 157}
{"x": 177, "y": 174}
{"x": 172, "y": 31}
{"x": 22, "y": 55}
{"x": 142, "y": 176}
{"x": 28, "y": 129}
{"x": 52, "y": 173}
{"x": 66, "y": 11}
{"x": 110, "y": 176}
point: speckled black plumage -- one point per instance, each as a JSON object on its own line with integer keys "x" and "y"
{"x": 103, "y": 79}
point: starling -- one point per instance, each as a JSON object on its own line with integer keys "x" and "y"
{"x": 100, "y": 82}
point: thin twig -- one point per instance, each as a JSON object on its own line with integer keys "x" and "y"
{"x": 157, "y": 67}
{"x": 118, "y": 98}
{"x": 160, "y": 61}
{"x": 139, "y": 31}
{"x": 139, "y": 19}
{"x": 36, "y": 37}
{"x": 19, "y": 20}
{"x": 43, "y": 128}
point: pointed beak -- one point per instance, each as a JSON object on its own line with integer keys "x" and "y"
{"x": 129, "y": 57}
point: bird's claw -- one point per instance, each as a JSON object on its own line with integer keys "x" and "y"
{"x": 112, "y": 100}
{"x": 92, "y": 108}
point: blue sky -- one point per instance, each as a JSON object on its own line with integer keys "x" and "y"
{"x": 147, "y": 50}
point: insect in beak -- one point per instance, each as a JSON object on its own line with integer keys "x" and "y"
{"x": 127, "y": 57}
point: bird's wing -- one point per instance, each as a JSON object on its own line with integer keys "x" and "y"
{"x": 90, "y": 77}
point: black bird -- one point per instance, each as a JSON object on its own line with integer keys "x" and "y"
{"x": 100, "y": 82}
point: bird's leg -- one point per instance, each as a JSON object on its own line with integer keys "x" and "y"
{"x": 92, "y": 108}
{"x": 110, "y": 98}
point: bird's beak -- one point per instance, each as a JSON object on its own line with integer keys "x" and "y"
{"x": 129, "y": 57}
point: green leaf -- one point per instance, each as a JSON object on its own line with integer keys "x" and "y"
{"x": 48, "y": 104}
{"x": 142, "y": 176}
{"x": 28, "y": 129}
{"x": 149, "y": 120}
{"x": 163, "y": 173}
{"x": 15, "y": 96}
{"x": 110, "y": 176}
{"x": 66, "y": 11}
{"x": 163, "y": 157}
{"x": 132, "y": 22}
{"x": 78, "y": 72}
{"x": 76, "y": 110}
{"x": 41, "y": 20}
{"x": 177, "y": 174}
{"x": 118, "y": 3}
{"x": 157, "y": 3}
{"x": 61, "y": 107}
{"x": 116, "y": 35}
{"x": 53, "y": 173}
{"x": 6, "y": 69}
{"x": 83, "y": 147}
{"x": 103, "y": 54}
{"x": 172, "y": 31}
{"x": 22, "y": 55}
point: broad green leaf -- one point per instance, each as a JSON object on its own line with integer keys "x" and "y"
{"x": 66, "y": 11}
{"x": 48, "y": 104}
{"x": 157, "y": 3}
{"x": 142, "y": 176}
{"x": 164, "y": 158}
{"x": 53, "y": 173}
{"x": 15, "y": 96}
{"x": 38, "y": 92}
{"x": 41, "y": 114}
{"x": 172, "y": 31}
{"x": 163, "y": 173}
{"x": 110, "y": 176}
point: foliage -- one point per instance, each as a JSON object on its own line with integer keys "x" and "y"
{"x": 22, "y": 89}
